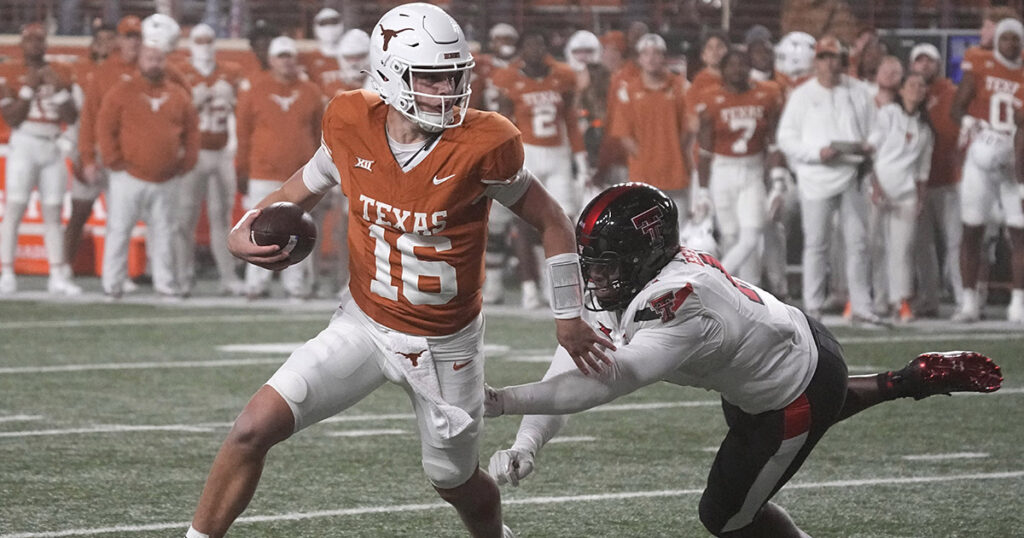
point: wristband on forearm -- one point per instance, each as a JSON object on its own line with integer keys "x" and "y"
{"x": 566, "y": 280}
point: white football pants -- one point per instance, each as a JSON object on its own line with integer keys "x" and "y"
{"x": 739, "y": 197}
{"x": 129, "y": 199}
{"x": 33, "y": 163}
{"x": 213, "y": 180}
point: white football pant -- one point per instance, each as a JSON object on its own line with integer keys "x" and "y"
{"x": 33, "y": 163}
{"x": 988, "y": 183}
{"x": 739, "y": 198}
{"x": 213, "y": 180}
{"x": 128, "y": 200}
{"x": 349, "y": 359}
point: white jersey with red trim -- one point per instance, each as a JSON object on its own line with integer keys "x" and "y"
{"x": 717, "y": 332}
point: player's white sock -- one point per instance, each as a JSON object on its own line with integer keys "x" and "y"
{"x": 193, "y": 533}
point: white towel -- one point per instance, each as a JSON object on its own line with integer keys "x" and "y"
{"x": 411, "y": 355}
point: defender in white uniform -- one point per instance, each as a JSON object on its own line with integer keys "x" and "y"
{"x": 675, "y": 315}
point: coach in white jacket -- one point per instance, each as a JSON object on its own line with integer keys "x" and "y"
{"x": 822, "y": 131}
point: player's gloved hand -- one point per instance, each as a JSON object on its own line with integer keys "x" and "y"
{"x": 241, "y": 246}
{"x": 701, "y": 203}
{"x": 584, "y": 344}
{"x": 494, "y": 403}
{"x": 510, "y": 466}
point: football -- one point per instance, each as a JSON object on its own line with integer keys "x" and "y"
{"x": 286, "y": 225}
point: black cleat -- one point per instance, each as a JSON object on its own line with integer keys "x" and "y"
{"x": 946, "y": 372}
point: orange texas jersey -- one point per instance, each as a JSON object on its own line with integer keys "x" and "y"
{"x": 543, "y": 108}
{"x": 741, "y": 123}
{"x": 416, "y": 239}
{"x": 43, "y": 109}
{"x": 214, "y": 96}
{"x": 998, "y": 93}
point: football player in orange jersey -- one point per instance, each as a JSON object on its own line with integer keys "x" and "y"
{"x": 214, "y": 93}
{"x": 539, "y": 95}
{"x": 421, "y": 171}
{"x": 737, "y": 141}
{"x": 35, "y": 101}
{"x": 987, "y": 105}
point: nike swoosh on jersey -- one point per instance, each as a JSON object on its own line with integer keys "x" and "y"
{"x": 438, "y": 181}
{"x": 456, "y": 366}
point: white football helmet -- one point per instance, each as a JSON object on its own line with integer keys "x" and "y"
{"x": 353, "y": 51}
{"x": 587, "y": 47}
{"x": 420, "y": 40}
{"x": 794, "y": 55}
{"x": 160, "y": 32}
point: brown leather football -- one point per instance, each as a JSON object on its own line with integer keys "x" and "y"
{"x": 286, "y": 225}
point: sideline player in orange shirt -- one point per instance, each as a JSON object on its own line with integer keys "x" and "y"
{"x": 214, "y": 85}
{"x": 36, "y": 102}
{"x": 539, "y": 95}
{"x": 987, "y": 105}
{"x": 737, "y": 144}
{"x": 652, "y": 124}
{"x": 421, "y": 171}
{"x": 278, "y": 102}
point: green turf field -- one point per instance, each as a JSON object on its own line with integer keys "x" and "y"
{"x": 110, "y": 415}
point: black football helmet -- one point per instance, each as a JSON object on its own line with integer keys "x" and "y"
{"x": 625, "y": 236}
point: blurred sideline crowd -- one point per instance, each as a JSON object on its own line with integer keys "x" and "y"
{"x": 898, "y": 183}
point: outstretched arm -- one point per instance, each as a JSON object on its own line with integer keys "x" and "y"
{"x": 649, "y": 357}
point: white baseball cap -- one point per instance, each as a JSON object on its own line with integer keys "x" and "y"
{"x": 651, "y": 40}
{"x": 282, "y": 45}
{"x": 927, "y": 49}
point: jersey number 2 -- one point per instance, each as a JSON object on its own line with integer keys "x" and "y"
{"x": 412, "y": 268}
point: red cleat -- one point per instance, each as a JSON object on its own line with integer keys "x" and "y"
{"x": 945, "y": 372}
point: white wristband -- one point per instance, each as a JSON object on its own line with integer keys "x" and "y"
{"x": 1020, "y": 190}
{"x": 26, "y": 93}
{"x": 566, "y": 280}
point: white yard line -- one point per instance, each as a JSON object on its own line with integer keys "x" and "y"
{"x": 941, "y": 457}
{"x": 20, "y": 418}
{"x": 366, "y": 433}
{"x": 169, "y": 320}
{"x": 931, "y": 337}
{"x": 111, "y": 428}
{"x": 572, "y": 439}
{"x": 383, "y": 509}
{"x": 208, "y": 426}
{"x": 216, "y": 363}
